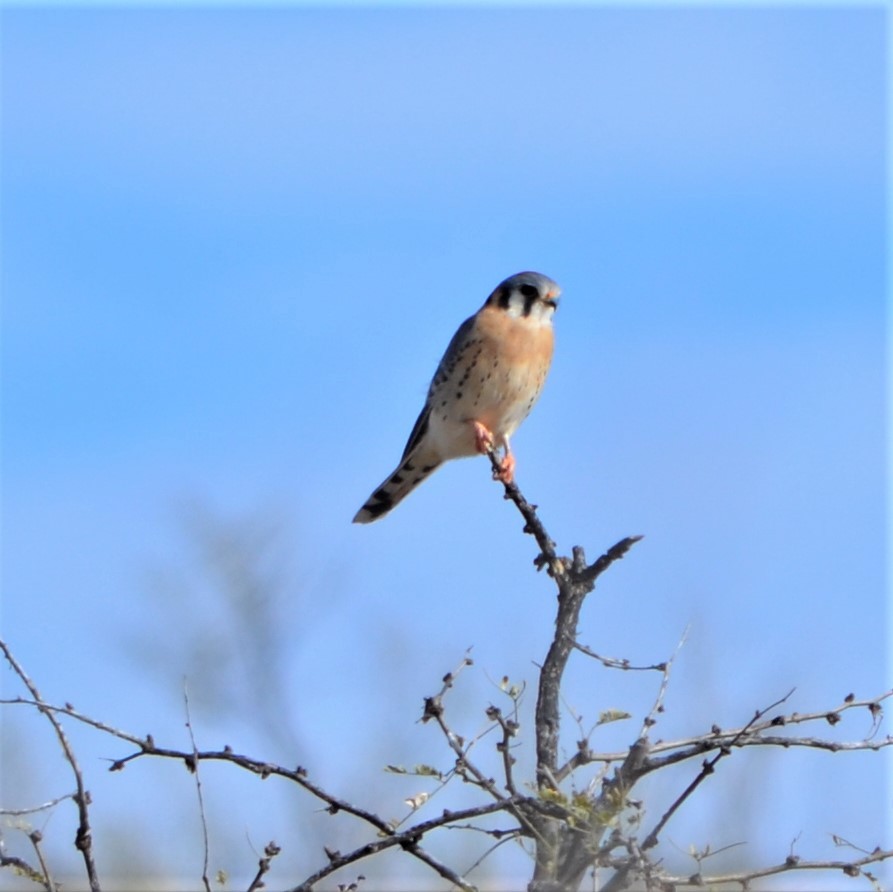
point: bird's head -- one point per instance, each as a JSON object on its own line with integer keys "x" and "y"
{"x": 527, "y": 295}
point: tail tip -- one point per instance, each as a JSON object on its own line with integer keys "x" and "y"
{"x": 378, "y": 504}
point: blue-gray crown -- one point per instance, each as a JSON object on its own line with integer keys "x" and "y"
{"x": 523, "y": 290}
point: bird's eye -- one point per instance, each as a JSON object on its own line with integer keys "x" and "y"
{"x": 529, "y": 291}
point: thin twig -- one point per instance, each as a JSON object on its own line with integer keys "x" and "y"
{"x": 26, "y": 870}
{"x": 434, "y": 709}
{"x": 415, "y": 803}
{"x": 651, "y": 718}
{"x": 532, "y": 526}
{"x": 404, "y": 840}
{"x": 502, "y": 839}
{"x": 707, "y": 769}
{"x": 19, "y": 812}
{"x": 446, "y": 872}
{"x": 671, "y": 752}
{"x": 434, "y": 705}
{"x": 744, "y": 878}
{"x": 464, "y": 767}
{"x": 615, "y": 663}
{"x": 206, "y": 845}
{"x": 36, "y": 838}
{"x": 469, "y": 771}
{"x": 263, "y": 867}
{"x": 509, "y": 730}
{"x": 147, "y": 747}
{"x": 584, "y": 755}
{"x": 84, "y": 837}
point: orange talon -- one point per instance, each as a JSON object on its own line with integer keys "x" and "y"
{"x": 506, "y": 472}
{"x": 483, "y": 439}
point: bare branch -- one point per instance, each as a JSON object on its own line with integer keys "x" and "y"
{"x": 446, "y": 872}
{"x": 502, "y": 837}
{"x": 464, "y": 767}
{"x": 509, "y": 730}
{"x": 26, "y": 870}
{"x": 36, "y": 838}
{"x": 547, "y": 557}
{"x": 71, "y": 712}
{"x": 263, "y": 769}
{"x": 584, "y": 755}
{"x": 706, "y": 770}
{"x": 615, "y": 663}
{"x": 206, "y": 846}
{"x": 615, "y": 553}
{"x": 84, "y": 838}
{"x": 434, "y": 705}
{"x": 574, "y": 584}
{"x": 19, "y": 812}
{"x": 572, "y": 830}
{"x": 405, "y": 840}
{"x": 574, "y": 580}
{"x": 791, "y": 863}
{"x": 263, "y": 866}
{"x": 651, "y": 718}
{"x": 672, "y": 752}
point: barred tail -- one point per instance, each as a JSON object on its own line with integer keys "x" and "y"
{"x": 398, "y": 486}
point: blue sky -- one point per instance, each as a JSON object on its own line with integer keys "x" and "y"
{"x": 234, "y": 246}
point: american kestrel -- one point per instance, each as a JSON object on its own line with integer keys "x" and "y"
{"x": 485, "y": 386}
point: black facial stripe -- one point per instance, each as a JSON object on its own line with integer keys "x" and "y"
{"x": 529, "y": 298}
{"x": 504, "y": 297}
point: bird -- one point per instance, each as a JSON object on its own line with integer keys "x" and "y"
{"x": 486, "y": 384}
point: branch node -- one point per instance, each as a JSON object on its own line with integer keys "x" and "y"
{"x": 433, "y": 708}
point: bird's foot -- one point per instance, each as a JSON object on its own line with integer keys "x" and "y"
{"x": 485, "y": 443}
{"x": 483, "y": 439}
{"x": 506, "y": 472}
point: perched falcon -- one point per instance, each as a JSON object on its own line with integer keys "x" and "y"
{"x": 485, "y": 386}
